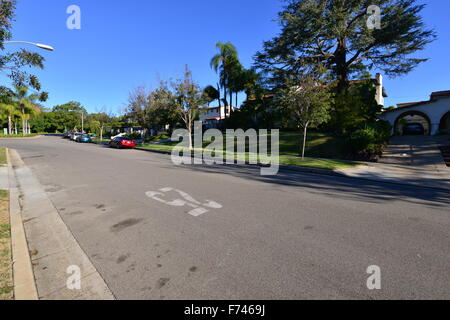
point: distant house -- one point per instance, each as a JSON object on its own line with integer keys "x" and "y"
{"x": 127, "y": 129}
{"x": 432, "y": 114}
{"x": 211, "y": 117}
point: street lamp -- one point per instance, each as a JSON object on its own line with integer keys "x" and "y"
{"x": 39, "y": 45}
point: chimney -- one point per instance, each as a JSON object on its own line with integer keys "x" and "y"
{"x": 379, "y": 83}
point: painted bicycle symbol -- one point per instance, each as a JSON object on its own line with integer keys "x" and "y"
{"x": 198, "y": 208}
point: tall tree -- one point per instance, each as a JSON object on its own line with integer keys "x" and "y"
{"x": 98, "y": 121}
{"x": 164, "y": 110}
{"x": 227, "y": 64}
{"x": 68, "y": 115}
{"x": 28, "y": 104}
{"x": 188, "y": 99}
{"x": 138, "y": 106}
{"x": 335, "y": 33}
{"x": 8, "y": 108}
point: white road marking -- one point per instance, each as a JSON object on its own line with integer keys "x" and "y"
{"x": 198, "y": 207}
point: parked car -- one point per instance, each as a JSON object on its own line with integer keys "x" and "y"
{"x": 413, "y": 129}
{"x": 122, "y": 142}
{"x": 83, "y": 138}
{"x": 74, "y": 136}
{"x": 67, "y": 134}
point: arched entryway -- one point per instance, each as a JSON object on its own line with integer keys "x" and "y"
{"x": 412, "y": 118}
{"x": 444, "y": 126}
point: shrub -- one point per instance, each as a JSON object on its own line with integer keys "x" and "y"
{"x": 134, "y": 135}
{"x": 362, "y": 140}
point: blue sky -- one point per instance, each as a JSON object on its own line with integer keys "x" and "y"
{"x": 124, "y": 44}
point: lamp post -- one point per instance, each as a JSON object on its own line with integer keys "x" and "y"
{"x": 39, "y": 45}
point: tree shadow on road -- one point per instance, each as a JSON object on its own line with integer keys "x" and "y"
{"x": 337, "y": 187}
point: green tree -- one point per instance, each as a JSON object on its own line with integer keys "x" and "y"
{"x": 227, "y": 64}
{"x": 307, "y": 101}
{"x": 98, "y": 122}
{"x": 7, "y": 108}
{"x": 210, "y": 94}
{"x": 12, "y": 63}
{"x": 164, "y": 110}
{"x": 335, "y": 33}
{"x": 28, "y": 105}
{"x": 138, "y": 109}
{"x": 68, "y": 116}
{"x": 188, "y": 99}
{"x": 44, "y": 122}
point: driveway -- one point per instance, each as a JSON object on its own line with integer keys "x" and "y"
{"x": 292, "y": 236}
{"x": 415, "y": 160}
{"x": 416, "y": 151}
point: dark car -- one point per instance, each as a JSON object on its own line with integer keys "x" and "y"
{"x": 83, "y": 138}
{"x": 67, "y": 134}
{"x": 122, "y": 142}
{"x": 413, "y": 129}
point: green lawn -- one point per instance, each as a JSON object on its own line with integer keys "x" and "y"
{"x": 319, "y": 147}
{"x": 2, "y": 156}
{"x": 101, "y": 141}
{"x": 19, "y": 135}
{"x": 6, "y": 280}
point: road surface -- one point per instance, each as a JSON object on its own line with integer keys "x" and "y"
{"x": 242, "y": 236}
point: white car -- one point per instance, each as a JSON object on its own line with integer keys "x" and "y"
{"x": 74, "y": 136}
{"x": 120, "y": 135}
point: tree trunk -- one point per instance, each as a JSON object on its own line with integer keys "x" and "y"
{"x": 23, "y": 122}
{"x": 231, "y": 100}
{"x": 341, "y": 66}
{"x": 225, "y": 102}
{"x": 9, "y": 124}
{"x": 190, "y": 137}
{"x": 305, "y": 131}
{"x": 218, "y": 90}
{"x": 101, "y": 133}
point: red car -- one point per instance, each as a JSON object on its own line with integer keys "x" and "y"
{"x": 122, "y": 142}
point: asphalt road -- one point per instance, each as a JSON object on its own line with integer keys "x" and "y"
{"x": 293, "y": 236}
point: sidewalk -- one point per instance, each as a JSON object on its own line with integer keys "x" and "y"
{"x": 4, "y": 183}
{"x": 56, "y": 257}
{"x": 413, "y": 160}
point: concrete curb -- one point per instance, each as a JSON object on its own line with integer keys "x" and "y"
{"x": 56, "y": 256}
{"x": 24, "y": 283}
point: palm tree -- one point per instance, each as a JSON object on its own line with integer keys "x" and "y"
{"x": 7, "y": 107}
{"x": 210, "y": 94}
{"x": 27, "y": 105}
{"x": 226, "y": 62}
